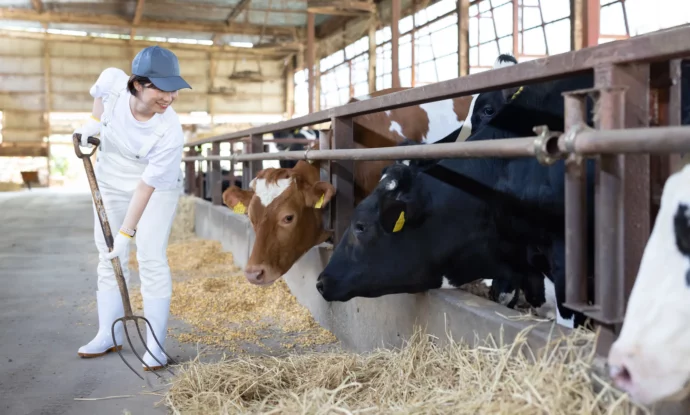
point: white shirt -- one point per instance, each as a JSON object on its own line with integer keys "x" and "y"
{"x": 164, "y": 159}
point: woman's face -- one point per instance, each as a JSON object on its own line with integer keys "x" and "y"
{"x": 153, "y": 99}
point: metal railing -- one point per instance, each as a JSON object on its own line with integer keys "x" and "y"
{"x": 637, "y": 84}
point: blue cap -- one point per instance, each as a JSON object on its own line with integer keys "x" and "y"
{"x": 161, "y": 67}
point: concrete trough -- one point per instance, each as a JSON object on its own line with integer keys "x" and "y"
{"x": 362, "y": 324}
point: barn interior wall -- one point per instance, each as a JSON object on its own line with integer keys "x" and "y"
{"x": 49, "y": 79}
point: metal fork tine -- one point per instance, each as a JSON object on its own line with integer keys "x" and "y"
{"x": 112, "y": 329}
{"x": 134, "y": 350}
{"x": 143, "y": 341}
{"x": 159, "y": 345}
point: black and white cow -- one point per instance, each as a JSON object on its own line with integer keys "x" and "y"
{"x": 450, "y": 233}
{"x": 650, "y": 360}
{"x": 297, "y": 133}
{"x": 225, "y": 178}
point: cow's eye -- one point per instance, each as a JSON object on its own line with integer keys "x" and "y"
{"x": 489, "y": 111}
{"x": 360, "y": 227}
{"x": 288, "y": 218}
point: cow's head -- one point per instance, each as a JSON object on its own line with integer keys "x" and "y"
{"x": 650, "y": 360}
{"x": 385, "y": 248}
{"x": 285, "y": 209}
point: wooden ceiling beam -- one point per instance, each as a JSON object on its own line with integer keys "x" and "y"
{"x": 136, "y": 19}
{"x": 38, "y": 5}
{"x": 241, "y": 6}
{"x": 278, "y": 52}
{"x": 144, "y": 23}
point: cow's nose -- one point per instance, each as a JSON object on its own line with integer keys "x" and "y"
{"x": 319, "y": 284}
{"x": 255, "y": 274}
{"x": 620, "y": 364}
{"x": 620, "y": 375}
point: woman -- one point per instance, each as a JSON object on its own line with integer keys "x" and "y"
{"x": 139, "y": 176}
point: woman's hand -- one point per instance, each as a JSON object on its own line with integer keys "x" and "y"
{"x": 120, "y": 246}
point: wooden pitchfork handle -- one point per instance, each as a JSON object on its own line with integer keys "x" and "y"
{"x": 100, "y": 210}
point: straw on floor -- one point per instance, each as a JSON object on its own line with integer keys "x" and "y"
{"x": 421, "y": 377}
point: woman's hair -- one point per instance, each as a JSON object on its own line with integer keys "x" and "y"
{"x": 144, "y": 81}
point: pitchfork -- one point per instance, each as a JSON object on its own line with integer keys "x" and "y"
{"x": 119, "y": 276}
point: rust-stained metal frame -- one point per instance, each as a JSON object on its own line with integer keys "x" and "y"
{"x": 621, "y": 143}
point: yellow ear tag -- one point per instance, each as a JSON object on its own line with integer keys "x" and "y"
{"x": 239, "y": 208}
{"x": 399, "y": 223}
{"x": 517, "y": 93}
{"x": 320, "y": 202}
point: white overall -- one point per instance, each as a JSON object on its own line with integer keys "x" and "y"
{"x": 118, "y": 171}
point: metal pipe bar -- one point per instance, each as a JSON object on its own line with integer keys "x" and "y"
{"x": 289, "y": 140}
{"x": 665, "y": 44}
{"x": 660, "y": 140}
{"x": 511, "y": 147}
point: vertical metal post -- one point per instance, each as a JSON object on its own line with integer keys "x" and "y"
{"x": 591, "y": 23}
{"x": 622, "y": 192}
{"x": 371, "y": 78}
{"x": 609, "y": 201}
{"x": 190, "y": 172}
{"x": 463, "y": 37}
{"x": 516, "y": 8}
{"x": 576, "y": 210}
{"x": 310, "y": 59}
{"x": 342, "y": 172}
{"x": 674, "y": 108}
{"x": 251, "y": 168}
{"x": 395, "y": 38}
{"x": 216, "y": 176}
{"x": 325, "y": 144}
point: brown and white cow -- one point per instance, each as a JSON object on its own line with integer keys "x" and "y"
{"x": 284, "y": 204}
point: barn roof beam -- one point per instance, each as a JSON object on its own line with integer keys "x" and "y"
{"x": 137, "y": 18}
{"x": 241, "y": 6}
{"x": 38, "y": 5}
{"x": 144, "y": 23}
{"x": 279, "y": 51}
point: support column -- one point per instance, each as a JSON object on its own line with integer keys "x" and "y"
{"x": 395, "y": 40}
{"x": 342, "y": 172}
{"x": 622, "y": 192}
{"x": 463, "y": 37}
{"x": 310, "y": 59}
{"x": 372, "y": 57}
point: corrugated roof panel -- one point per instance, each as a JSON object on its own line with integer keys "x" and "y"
{"x": 275, "y": 18}
{"x": 187, "y": 12}
{"x": 91, "y": 7}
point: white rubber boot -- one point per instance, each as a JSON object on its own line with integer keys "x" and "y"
{"x": 156, "y": 311}
{"x": 109, "y": 308}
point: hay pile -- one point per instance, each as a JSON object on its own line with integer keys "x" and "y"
{"x": 211, "y": 294}
{"x": 10, "y": 186}
{"x": 421, "y": 377}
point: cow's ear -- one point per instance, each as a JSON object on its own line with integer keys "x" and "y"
{"x": 392, "y": 214}
{"x": 237, "y": 199}
{"x": 511, "y": 93}
{"x": 319, "y": 194}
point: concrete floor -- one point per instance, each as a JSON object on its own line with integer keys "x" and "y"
{"x": 47, "y": 310}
